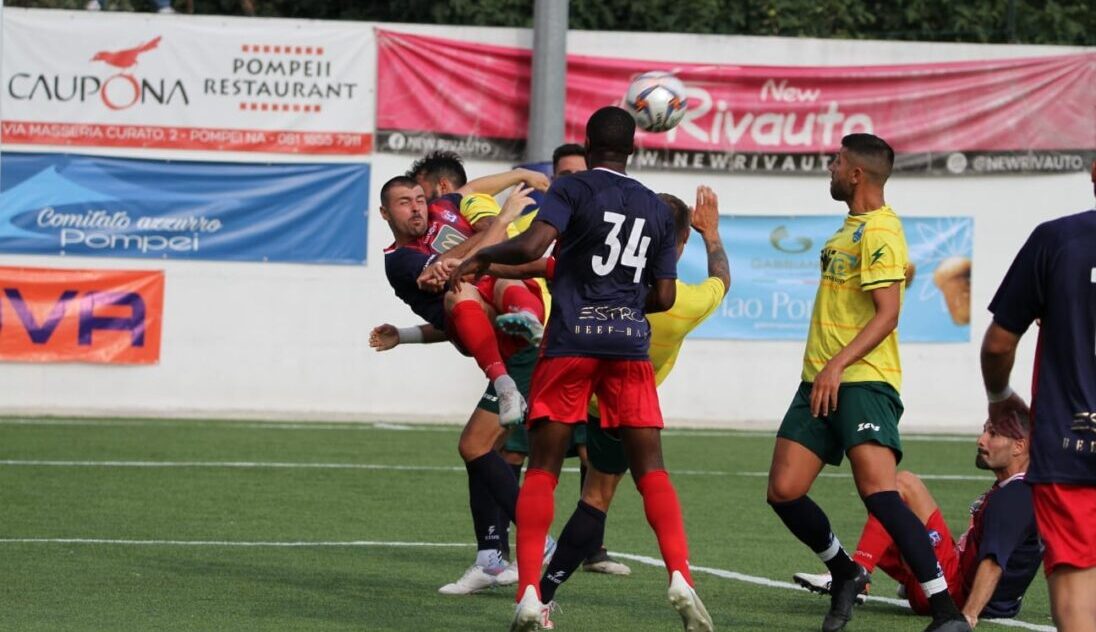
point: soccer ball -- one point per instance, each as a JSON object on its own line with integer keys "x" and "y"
{"x": 657, "y": 100}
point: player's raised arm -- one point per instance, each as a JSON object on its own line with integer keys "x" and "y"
{"x": 706, "y": 222}
{"x": 524, "y": 248}
{"x": 498, "y": 182}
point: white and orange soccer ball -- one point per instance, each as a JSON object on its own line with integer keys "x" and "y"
{"x": 657, "y": 100}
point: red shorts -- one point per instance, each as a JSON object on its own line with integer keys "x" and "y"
{"x": 508, "y": 345}
{"x": 625, "y": 389}
{"x": 1065, "y": 516}
{"x": 943, "y": 545}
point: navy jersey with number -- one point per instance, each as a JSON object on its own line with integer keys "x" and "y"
{"x": 1002, "y": 526}
{"x": 445, "y": 229}
{"x": 615, "y": 238}
{"x": 1053, "y": 279}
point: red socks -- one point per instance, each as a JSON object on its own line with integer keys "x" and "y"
{"x": 664, "y": 515}
{"x": 536, "y": 508}
{"x": 874, "y": 542}
{"x": 476, "y": 334}
{"x": 519, "y": 298}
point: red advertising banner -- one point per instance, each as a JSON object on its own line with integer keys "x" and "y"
{"x": 61, "y": 315}
{"x": 1006, "y": 115}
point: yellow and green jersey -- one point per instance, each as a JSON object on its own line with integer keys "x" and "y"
{"x": 868, "y": 253}
{"x": 693, "y": 305}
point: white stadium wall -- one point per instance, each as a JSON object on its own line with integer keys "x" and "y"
{"x": 291, "y": 341}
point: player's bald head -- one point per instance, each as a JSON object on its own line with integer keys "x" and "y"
{"x": 871, "y": 153}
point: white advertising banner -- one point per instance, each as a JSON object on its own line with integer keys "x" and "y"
{"x": 96, "y": 79}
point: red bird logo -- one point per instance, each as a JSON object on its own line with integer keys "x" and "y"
{"x": 126, "y": 58}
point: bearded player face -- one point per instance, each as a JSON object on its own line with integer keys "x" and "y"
{"x": 841, "y": 187}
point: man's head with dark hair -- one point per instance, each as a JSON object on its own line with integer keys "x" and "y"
{"x": 683, "y": 220}
{"x": 610, "y": 136}
{"x": 864, "y": 160}
{"x": 568, "y": 159}
{"x": 403, "y": 206}
{"x": 1005, "y": 443}
{"x": 439, "y": 172}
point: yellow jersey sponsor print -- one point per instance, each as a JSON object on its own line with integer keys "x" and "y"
{"x": 867, "y": 253}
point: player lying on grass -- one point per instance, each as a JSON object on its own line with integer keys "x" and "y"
{"x": 992, "y": 564}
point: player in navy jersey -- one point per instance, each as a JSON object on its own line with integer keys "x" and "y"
{"x": 615, "y": 263}
{"x": 991, "y": 566}
{"x": 1053, "y": 281}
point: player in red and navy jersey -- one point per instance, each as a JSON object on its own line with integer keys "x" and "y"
{"x": 991, "y": 566}
{"x": 615, "y": 262}
{"x": 425, "y": 233}
{"x": 1053, "y": 281}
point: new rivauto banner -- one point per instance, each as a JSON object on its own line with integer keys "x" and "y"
{"x": 775, "y": 273}
{"x": 1006, "y": 115}
{"x": 99, "y": 79}
{"x": 62, "y": 315}
{"x": 58, "y": 204}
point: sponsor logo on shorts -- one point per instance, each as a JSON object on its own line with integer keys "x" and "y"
{"x": 934, "y": 536}
{"x": 866, "y": 426}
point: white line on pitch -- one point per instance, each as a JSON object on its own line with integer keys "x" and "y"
{"x": 234, "y": 425}
{"x": 406, "y": 427}
{"x": 642, "y": 559}
{"x": 772, "y": 583}
{"x": 350, "y": 543}
{"x": 383, "y": 467}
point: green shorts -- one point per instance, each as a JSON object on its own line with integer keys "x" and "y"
{"x": 520, "y": 367}
{"x": 518, "y": 439}
{"x": 866, "y": 411}
{"x": 604, "y": 452}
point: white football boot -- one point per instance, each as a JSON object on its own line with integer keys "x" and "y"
{"x": 474, "y": 580}
{"x": 527, "y": 614}
{"x": 684, "y": 599}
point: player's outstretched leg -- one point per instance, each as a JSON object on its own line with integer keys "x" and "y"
{"x": 473, "y": 330}
{"x": 520, "y": 309}
{"x": 643, "y": 447}
{"x": 875, "y": 470}
{"x": 581, "y": 537}
{"x": 793, "y": 470}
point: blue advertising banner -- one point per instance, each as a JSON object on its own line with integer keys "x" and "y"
{"x": 775, "y": 273}
{"x": 54, "y": 204}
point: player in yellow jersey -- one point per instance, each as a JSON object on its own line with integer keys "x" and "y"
{"x": 848, "y": 402}
{"x": 584, "y": 531}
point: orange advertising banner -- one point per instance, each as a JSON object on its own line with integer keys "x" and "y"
{"x": 63, "y": 315}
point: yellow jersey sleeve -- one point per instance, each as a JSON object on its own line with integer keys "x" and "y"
{"x": 883, "y": 253}
{"x": 697, "y": 302}
{"x": 693, "y": 305}
{"x": 476, "y": 206}
{"x": 521, "y": 224}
